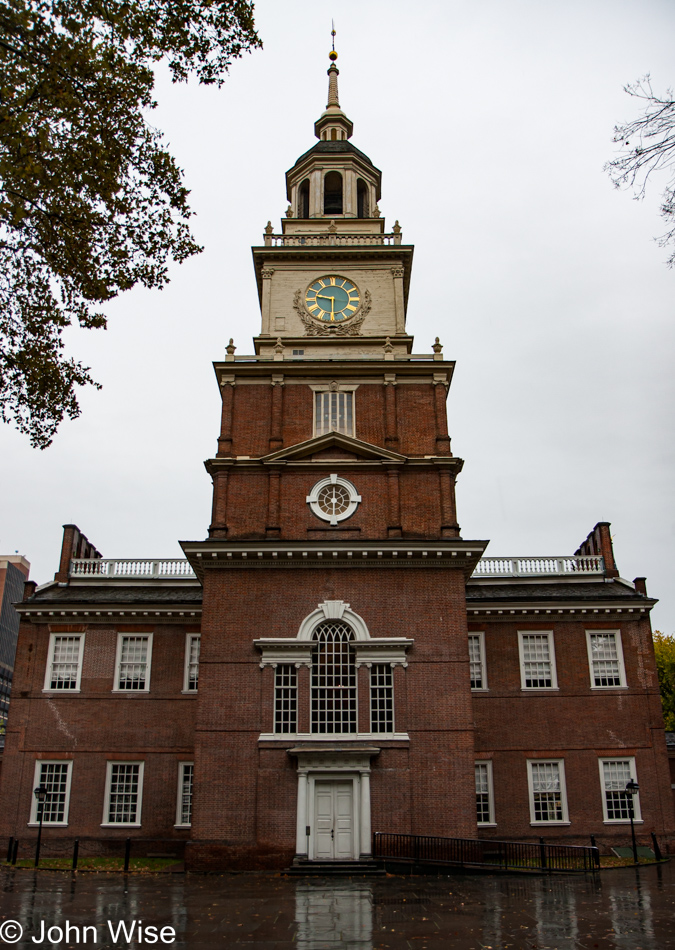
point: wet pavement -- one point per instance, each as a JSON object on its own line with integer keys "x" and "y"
{"x": 628, "y": 909}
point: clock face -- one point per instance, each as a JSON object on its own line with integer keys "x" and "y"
{"x": 332, "y": 299}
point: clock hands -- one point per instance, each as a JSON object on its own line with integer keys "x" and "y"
{"x": 332, "y": 303}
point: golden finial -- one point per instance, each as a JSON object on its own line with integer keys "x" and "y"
{"x": 332, "y": 55}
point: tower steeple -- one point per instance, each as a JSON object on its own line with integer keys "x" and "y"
{"x": 333, "y": 125}
{"x": 334, "y": 283}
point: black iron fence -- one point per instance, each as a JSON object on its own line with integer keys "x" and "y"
{"x": 426, "y": 850}
{"x": 103, "y": 853}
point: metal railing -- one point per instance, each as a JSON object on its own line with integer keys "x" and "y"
{"x": 131, "y": 567}
{"x": 539, "y": 566}
{"x": 421, "y": 850}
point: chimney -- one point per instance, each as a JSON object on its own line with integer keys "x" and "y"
{"x": 599, "y": 541}
{"x": 641, "y": 585}
{"x": 74, "y": 545}
{"x": 29, "y": 589}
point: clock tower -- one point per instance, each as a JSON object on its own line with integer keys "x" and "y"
{"x": 334, "y": 695}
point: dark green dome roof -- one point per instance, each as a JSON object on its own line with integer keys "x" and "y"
{"x": 340, "y": 146}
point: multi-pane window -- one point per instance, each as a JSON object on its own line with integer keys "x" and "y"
{"x": 547, "y": 791}
{"x": 334, "y": 412}
{"x": 537, "y": 661}
{"x": 615, "y": 775}
{"x": 133, "y": 662}
{"x": 192, "y": 645}
{"x": 285, "y": 698}
{"x": 484, "y": 803}
{"x": 185, "y": 783}
{"x": 64, "y": 666}
{"x": 54, "y": 777}
{"x": 605, "y": 658}
{"x": 333, "y": 707}
{"x": 381, "y": 698}
{"x": 123, "y": 799}
{"x": 477, "y": 661}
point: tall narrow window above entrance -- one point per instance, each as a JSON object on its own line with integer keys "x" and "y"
{"x": 334, "y": 412}
{"x": 381, "y": 698}
{"x": 362, "y": 199}
{"x": 332, "y": 193}
{"x": 303, "y": 199}
{"x": 285, "y": 699}
{"x": 333, "y": 679}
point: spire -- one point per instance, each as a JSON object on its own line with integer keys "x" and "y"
{"x": 333, "y": 124}
{"x": 333, "y": 73}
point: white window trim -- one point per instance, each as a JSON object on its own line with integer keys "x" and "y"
{"x": 118, "y": 660}
{"x": 619, "y": 654}
{"x": 50, "y": 659}
{"x": 186, "y": 665}
{"x": 106, "y": 803}
{"x": 563, "y": 793}
{"x": 483, "y": 664}
{"x": 491, "y": 795}
{"x": 34, "y": 821}
{"x": 637, "y": 813}
{"x": 551, "y": 651}
{"x": 326, "y": 388}
{"x": 179, "y": 796}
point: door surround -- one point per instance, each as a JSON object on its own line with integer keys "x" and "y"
{"x": 337, "y": 764}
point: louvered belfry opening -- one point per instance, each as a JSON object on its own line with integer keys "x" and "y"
{"x": 333, "y": 679}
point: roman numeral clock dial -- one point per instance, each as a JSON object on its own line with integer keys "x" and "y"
{"x": 332, "y": 299}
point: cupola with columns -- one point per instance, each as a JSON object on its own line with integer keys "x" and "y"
{"x": 334, "y": 179}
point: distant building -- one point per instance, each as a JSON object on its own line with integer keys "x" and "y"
{"x": 14, "y": 571}
{"x": 334, "y": 658}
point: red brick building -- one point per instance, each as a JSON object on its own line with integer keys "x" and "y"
{"x": 335, "y": 658}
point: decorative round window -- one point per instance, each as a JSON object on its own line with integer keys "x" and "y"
{"x": 333, "y": 499}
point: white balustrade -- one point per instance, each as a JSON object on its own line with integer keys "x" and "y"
{"x": 130, "y": 568}
{"x": 329, "y": 239}
{"x": 539, "y": 566}
{"x": 486, "y": 567}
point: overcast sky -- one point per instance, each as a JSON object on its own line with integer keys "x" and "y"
{"x": 491, "y": 121}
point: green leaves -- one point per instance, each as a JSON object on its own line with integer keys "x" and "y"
{"x": 664, "y": 650}
{"x": 91, "y": 204}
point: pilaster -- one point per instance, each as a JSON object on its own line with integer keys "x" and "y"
{"x": 227, "y": 385}
{"x": 218, "y": 527}
{"x": 440, "y": 395}
{"x": 266, "y": 303}
{"x": 398, "y": 273}
{"x": 276, "y": 440}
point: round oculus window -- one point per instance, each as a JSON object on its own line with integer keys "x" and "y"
{"x": 333, "y": 499}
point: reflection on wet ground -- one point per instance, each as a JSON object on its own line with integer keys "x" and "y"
{"x": 627, "y": 909}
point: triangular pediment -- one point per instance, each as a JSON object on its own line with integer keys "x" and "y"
{"x": 345, "y": 448}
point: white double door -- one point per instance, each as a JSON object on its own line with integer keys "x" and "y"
{"x": 333, "y": 821}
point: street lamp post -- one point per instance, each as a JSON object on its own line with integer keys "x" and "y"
{"x": 632, "y": 788}
{"x": 40, "y": 793}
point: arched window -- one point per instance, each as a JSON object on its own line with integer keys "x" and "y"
{"x": 333, "y": 678}
{"x": 362, "y": 199}
{"x": 303, "y": 199}
{"x": 332, "y": 193}
{"x": 333, "y": 135}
